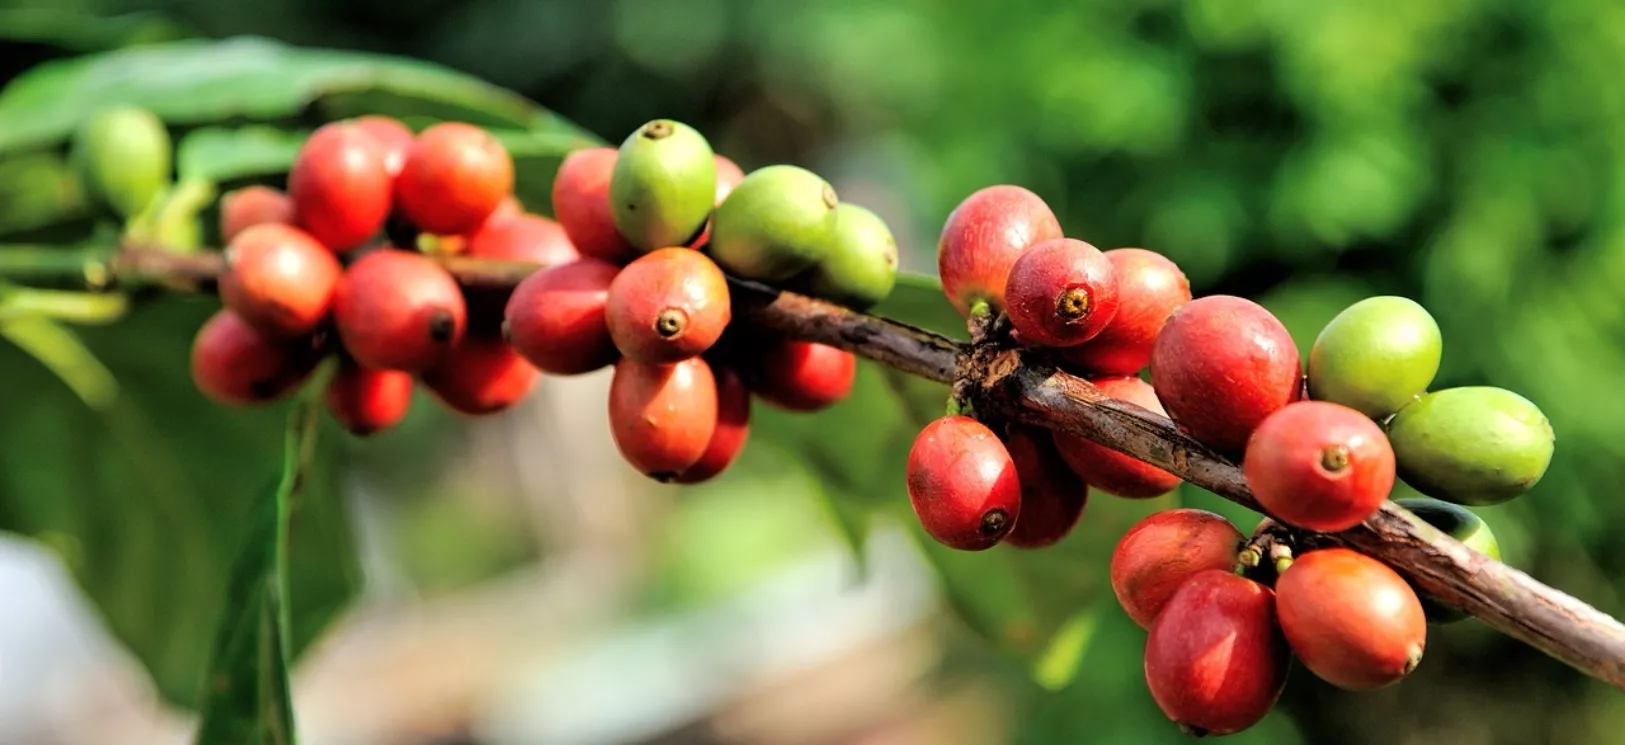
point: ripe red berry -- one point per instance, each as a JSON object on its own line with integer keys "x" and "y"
{"x": 733, "y": 429}
{"x": 366, "y": 401}
{"x": 398, "y": 310}
{"x": 1222, "y": 364}
{"x": 481, "y": 376}
{"x": 1052, "y": 496}
{"x": 662, "y": 417}
{"x": 668, "y": 305}
{"x": 800, "y": 376}
{"x": 962, "y": 484}
{"x": 1109, "y": 470}
{"x": 1352, "y": 621}
{"x": 1319, "y": 466}
{"x": 555, "y": 318}
{"x": 250, "y": 206}
{"x": 982, "y": 238}
{"x": 522, "y": 237}
{"x": 340, "y": 186}
{"x": 234, "y": 364}
{"x": 1156, "y": 556}
{"x": 1149, "y": 289}
{"x": 581, "y": 204}
{"x": 279, "y": 280}
{"x": 1214, "y": 659}
{"x": 455, "y": 176}
{"x": 1060, "y": 293}
{"x": 392, "y": 136}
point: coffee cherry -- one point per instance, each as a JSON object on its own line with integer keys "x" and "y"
{"x": 124, "y": 156}
{"x": 1461, "y": 524}
{"x": 1061, "y": 293}
{"x": 1109, "y": 470}
{"x": 861, "y": 267}
{"x": 663, "y": 186}
{"x": 1149, "y": 289}
{"x": 1214, "y": 660}
{"x": 1475, "y": 445}
{"x": 1319, "y": 466}
{"x": 517, "y": 237}
{"x": 454, "y": 177}
{"x": 982, "y": 238}
{"x": 581, "y": 204}
{"x": 733, "y": 429}
{"x": 1350, "y": 619}
{"x": 340, "y": 186}
{"x": 398, "y": 310}
{"x": 279, "y": 280}
{"x": 555, "y": 318}
{"x": 1156, "y": 556}
{"x": 366, "y": 402}
{"x": 729, "y": 175}
{"x": 236, "y": 365}
{"x": 662, "y": 417}
{"x": 481, "y": 376}
{"x": 777, "y": 223}
{"x": 1222, "y": 364}
{"x": 1052, "y": 496}
{"x": 800, "y": 376}
{"x": 250, "y": 206}
{"x": 1376, "y": 356}
{"x": 393, "y": 138}
{"x": 668, "y": 305}
{"x": 963, "y": 484}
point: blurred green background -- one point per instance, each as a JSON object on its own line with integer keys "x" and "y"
{"x": 1468, "y": 155}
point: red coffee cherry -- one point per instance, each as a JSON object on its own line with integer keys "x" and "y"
{"x": 668, "y": 305}
{"x": 455, "y": 176}
{"x": 982, "y": 238}
{"x": 1319, "y": 466}
{"x": 1111, "y": 471}
{"x": 1353, "y": 622}
{"x": 398, "y": 310}
{"x": 340, "y": 186}
{"x": 1149, "y": 289}
{"x": 393, "y": 137}
{"x": 1214, "y": 659}
{"x": 367, "y": 402}
{"x": 733, "y": 429}
{"x": 522, "y": 237}
{"x": 662, "y": 417}
{"x": 481, "y": 376}
{"x": 1052, "y": 496}
{"x": 962, "y": 484}
{"x": 1061, "y": 293}
{"x": 555, "y": 318}
{"x": 581, "y": 204}
{"x": 1156, "y": 556}
{"x": 279, "y": 280}
{"x": 1222, "y": 364}
{"x": 250, "y": 206}
{"x": 799, "y": 376}
{"x": 236, "y": 365}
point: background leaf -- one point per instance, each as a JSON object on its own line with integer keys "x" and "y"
{"x": 226, "y": 154}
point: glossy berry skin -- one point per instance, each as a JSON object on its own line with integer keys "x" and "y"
{"x": 1052, "y": 496}
{"x": 1350, "y": 619}
{"x": 340, "y": 187}
{"x": 366, "y": 402}
{"x": 732, "y": 432}
{"x": 581, "y": 204}
{"x": 1319, "y": 466}
{"x": 393, "y": 137}
{"x": 1214, "y": 659}
{"x": 1221, "y": 365}
{"x": 1472, "y": 445}
{"x": 398, "y": 310}
{"x": 800, "y": 376}
{"x": 1163, "y": 550}
{"x": 250, "y": 206}
{"x": 1376, "y": 356}
{"x": 455, "y": 176}
{"x": 1150, "y": 288}
{"x": 522, "y": 237}
{"x": 234, "y": 364}
{"x": 1109, "y": 470}
{"x": 279, "y": 280}
{"x": 963, "y": 484}
{"x": 555, "y": 318}
{"x": 982, "y": 238}
{"x": 1061, "y": 293}
{"x": 668, "y": 305}
{"x": 481, "y": 376}
{"x": 662, "y": 417}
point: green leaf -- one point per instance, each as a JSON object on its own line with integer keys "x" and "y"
{"x": 39, "y": 190}
{"x": 60, "y": 350}
{"x": 58, "y": 24}
{"x": 222, "y": 154}
{"x": 917, "y": 300}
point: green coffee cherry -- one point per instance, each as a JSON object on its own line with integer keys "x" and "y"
{"x": 124, "y": 155}
{"x": 1376, "y": 356}
{"x": 663, "y": 186}
{"x": 861, "y": 267}
{"x": 777, "y": 223}
{"x": 1475, "y": 445}
{"x": 1459, "y": 523}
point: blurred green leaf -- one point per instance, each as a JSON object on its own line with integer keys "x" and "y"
{"x": 59, "y": 350}
{"x": 221, "y": 154}
{"x": 917, "y": 300}
{"x": 39, "y": 190}
{"x": 58, "y": 24}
